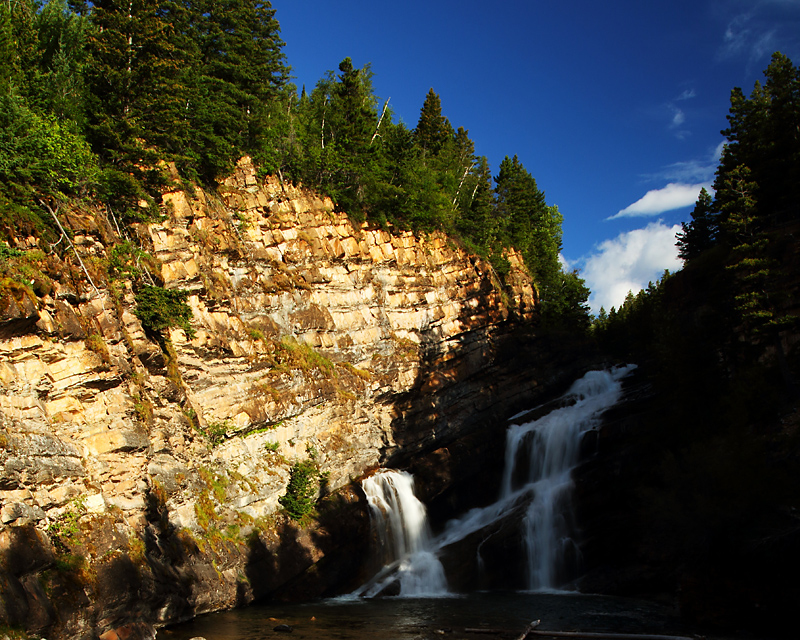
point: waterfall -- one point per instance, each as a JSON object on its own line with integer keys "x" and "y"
{"x": 401, "y": 524}
{"x": 539, "y": 458}
{"x": 536, "y": 485}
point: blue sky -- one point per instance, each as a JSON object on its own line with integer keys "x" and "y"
{"x": 614, "y": 107}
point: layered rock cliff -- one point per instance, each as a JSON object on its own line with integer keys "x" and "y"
{"x": 140, "y": 476}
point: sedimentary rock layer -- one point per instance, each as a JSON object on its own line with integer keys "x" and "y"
{"x": 137, "y": 464}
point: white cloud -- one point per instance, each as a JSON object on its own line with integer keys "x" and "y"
{"x": 678, "y": 117}
{"x": 690, "y": 171}
{"x": 687, "y": 94}
{"x": 673, "y": 196}
{"x": 628, "y": 263}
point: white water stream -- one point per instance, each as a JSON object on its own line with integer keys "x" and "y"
{"x": 401, "y": 523}
{"x": 540, "y": 456}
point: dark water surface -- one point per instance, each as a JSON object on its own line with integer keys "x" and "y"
{"x": 424, "y": 618}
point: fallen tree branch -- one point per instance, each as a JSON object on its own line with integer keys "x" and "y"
{"x": 496, "y": 632}
{"x": 75, "y": 251}
{"x": 528, "y": 630}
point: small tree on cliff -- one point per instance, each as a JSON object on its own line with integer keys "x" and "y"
{"x": 160, "y": 309}
{"x": 303, "y": 488}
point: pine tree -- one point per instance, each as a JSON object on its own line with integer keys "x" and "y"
{"x": 350, "y": 119}
{"x": 433, "y": 129}
{"x": 764, "y": 135}
{"x": 477, "y": 221}
{"x": 532, "y": 225}
{"x": 56, "y": 81}
{"x": 238, "y": 74}
{"x": 354, "y": 115}
{"x": 133, "y": 104}
{"x": 701, "y": 232}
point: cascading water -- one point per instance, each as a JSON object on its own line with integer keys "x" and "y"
{"x": 401, "y": 524}
{"x": 549, "y": 448}
{"x": 540, "y": 457}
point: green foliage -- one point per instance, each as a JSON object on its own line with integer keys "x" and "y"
{"x": 700, "y": 234}
{"x": 127, "y": 261}
{"x": 64, "y": 530}
{"x": 568, "y": 303}
{"x": 41, "y": 151}
{"x": 125, "y": 191}
{"x": 302, "y": 490}
{"x": 21, "y": 273}
{"x": 7, "y": 252}
{"x": 13, "y": 633}
{"x": 763, "y": 136}
{"x": 233, "y": 78}
{"x": 216, "y": 483}
{"x": 160, "y": 309}
{"x": 291, "y": 353}
{"x": 19, "y": 215}
{"x": 216, "y": 431}
{"x": 433, "y": 130}
{"x": 272, "y": 447}
{"x": 133, "y": 102}
{"x": 529, "y": 224}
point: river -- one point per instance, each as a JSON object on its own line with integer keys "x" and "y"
{"x": 423, "y": 618}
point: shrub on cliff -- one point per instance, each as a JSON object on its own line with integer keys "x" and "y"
{"x": 302, "y": 490}
{"x": 160, "y": 309}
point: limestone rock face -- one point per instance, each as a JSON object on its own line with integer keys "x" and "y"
{"x": 158, "y": 469}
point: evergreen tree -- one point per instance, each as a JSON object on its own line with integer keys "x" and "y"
{"x": 532, "y": 226}
{"x": 701, "y": 232}
{"x": 568, "y": 303}
{"x": 433, "y": 129}
{"x": 133, "y": 102}
{"x": 348, "y": 121}
{"x": 238, "y": 74}
{"x": 477, "y": 221}
{"x": 41, "y": 149}
{"x": 759, "y": 278}
{"x": 18, "y": 43}
{"x": 353, "y": 108}
{"x": 764, "y": 135}
{"x": 56, "y": 83}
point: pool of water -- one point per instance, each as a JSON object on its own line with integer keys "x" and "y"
{"x": 481, "y": 615}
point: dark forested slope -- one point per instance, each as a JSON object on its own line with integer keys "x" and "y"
{"x": 715, "y": 487}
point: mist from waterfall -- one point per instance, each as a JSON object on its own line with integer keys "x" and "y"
{"x": 539, "y": 458}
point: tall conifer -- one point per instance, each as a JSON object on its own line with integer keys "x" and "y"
{"x": 433, "y": 129}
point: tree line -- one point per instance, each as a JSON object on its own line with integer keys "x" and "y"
{"x": 716, "y": 492}
{"x": 742, "y": 236}
{"x": 94, "y": 96}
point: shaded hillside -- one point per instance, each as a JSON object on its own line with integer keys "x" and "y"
{"x": 708, "y": 482}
